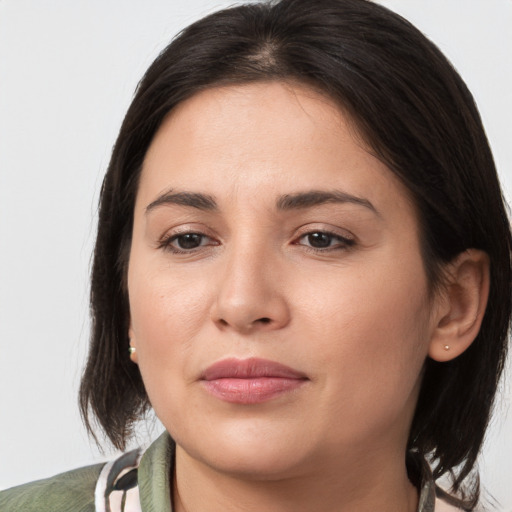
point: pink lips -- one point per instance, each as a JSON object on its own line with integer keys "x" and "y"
{"x": 250, "y": 381}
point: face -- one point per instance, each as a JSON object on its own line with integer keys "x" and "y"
{"x": 279, "y": 304}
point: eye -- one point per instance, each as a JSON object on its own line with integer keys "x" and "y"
{"x": 323, "y": 240}
{"x": 186, "y": 242}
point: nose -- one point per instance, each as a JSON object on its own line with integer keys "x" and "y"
{"x": 251, "y": 296}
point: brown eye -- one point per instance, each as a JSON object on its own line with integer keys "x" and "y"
{"x": 185, "y": 242}
{"x": 319, "y": 240}
{"x": 323, "y": 240}
{"x": 188, "y": 241}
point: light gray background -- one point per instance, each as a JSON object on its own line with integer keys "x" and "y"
{"x": 67, "y": 72}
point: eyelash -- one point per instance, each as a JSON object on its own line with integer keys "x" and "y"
{"x": 344, "y": 243}
{"x": 166, "y": 242}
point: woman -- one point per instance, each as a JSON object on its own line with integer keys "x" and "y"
{"x": 303, "y": 265}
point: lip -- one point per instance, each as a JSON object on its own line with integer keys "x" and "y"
{"x": 250, "y": 381}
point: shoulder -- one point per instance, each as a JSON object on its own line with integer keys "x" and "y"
{"x": 73, "y": 490}
{"x": 102, "y": 487}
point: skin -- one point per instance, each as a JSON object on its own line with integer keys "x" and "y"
{"x": 355, "y": 317}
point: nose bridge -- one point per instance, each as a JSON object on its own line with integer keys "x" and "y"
{"x": 249, "y": 294}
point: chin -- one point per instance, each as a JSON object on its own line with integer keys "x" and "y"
{"x": 253, "y": 464}
{"x": 251, "y": 453}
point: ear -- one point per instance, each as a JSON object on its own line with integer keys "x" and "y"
{"x": 461, "y": 305}
{"x": 133, "y": 347}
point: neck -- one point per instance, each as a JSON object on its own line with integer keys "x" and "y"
{"x": 356, "y": 484}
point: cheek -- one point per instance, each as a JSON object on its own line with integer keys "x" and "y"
{"x": 370, "y": 333}
{"x": 167, "y": 311}
{"x": 386, "y": 302}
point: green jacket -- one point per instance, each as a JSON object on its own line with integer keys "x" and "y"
{"x": 74, "y": 491}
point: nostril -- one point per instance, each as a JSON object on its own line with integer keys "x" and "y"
{"x": 244, "y": 326}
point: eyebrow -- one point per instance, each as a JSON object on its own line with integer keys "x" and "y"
{"x": 311, "y": 198}
{"x": 191, "y": 199}
{"x": 297, "y": 201}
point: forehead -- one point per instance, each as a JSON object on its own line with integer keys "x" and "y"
{"x": 272, "y": 136}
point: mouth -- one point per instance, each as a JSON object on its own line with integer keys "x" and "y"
{"x": 250, "y": 381}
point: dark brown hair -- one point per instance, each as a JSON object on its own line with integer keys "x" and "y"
{"x": 414, "y": 112}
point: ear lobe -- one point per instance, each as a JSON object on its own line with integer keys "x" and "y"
{"x": 464, "y": 300}
{"x": 133, "y": 348}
